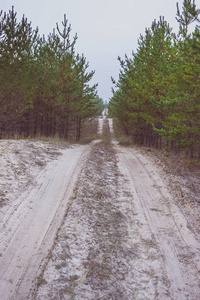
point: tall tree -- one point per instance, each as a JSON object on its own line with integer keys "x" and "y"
{"x": 189, "y": 15}
{"x": 157, "y": 94}
{"x": 44, "y": 86}
{"x": 16, "y": 43}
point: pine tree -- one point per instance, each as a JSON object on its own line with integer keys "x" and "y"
{"x": 15, "y": 55}
{"x": 44, "y": 86}
{"x": 158, "y": 89}
{"x": 189, "y": 15}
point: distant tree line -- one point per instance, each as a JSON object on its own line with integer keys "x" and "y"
{"x": 157, "y": 96}
{"x": 44, "y": 85}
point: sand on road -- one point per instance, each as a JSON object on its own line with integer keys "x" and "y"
{"x": 29, "y": 226}
{"x": 124, "y": 237}
{"x": 122, "y": 234}
{"x": 164, "y": 226}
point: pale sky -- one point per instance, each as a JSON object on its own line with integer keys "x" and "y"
{"x": 106, "y": 28}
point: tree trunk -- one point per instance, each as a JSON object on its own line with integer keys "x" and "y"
{"x": 78, "y": 128}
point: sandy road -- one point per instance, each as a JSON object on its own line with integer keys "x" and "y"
{"x": 29, "y": 227}
{"x": 123, "y": 237}
{"x": 162, "y": 223}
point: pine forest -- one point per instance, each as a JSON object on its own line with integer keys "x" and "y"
{"x": 157, "y": 96}
{"x": 44, "y": 85}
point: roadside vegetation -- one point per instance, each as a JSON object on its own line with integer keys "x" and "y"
{"x": 157, "y": 96}
{"x": 44, "y": 85}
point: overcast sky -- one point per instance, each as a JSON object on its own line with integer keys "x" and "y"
{"x": 106, "y": 28}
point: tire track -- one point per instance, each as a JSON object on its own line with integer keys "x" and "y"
{"x": 123, "y": 237}
{"x": 177, "y": 244}
{"x": 27, "y": 237}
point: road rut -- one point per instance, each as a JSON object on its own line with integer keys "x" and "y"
{"x": 124, "y": 237}
{"x": 29, "y": 228}
{"x": 163, "y": 222}
{"x": 121, "y": 236}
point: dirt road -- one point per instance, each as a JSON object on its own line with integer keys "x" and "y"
{"x": 122, "y": 235}
{"x": 164, "y": 228}
{"x": 29, "y": 226}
